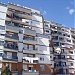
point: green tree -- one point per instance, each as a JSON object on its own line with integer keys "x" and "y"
{"x": 6, "y": 72}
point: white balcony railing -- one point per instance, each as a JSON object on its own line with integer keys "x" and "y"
{"x": 30, "y": 59}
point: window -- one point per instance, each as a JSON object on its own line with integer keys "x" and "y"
{"x": 41, "y": 58}
{"x": 33, "y": 47}
{"x": 64, "y": 63}
{"x": 50, "y": 56}
{"x": 42, "y": 67}
{"x": 1, "y": 43}
{"x": 46, "y": 25}
{"x": 71, "y": 52}
{"x": 62, "y": 29}
{"x": 47, "y": 31}
{"x": 68, "y": 35}
{"x": 27, "y": 46}
{"x": 68, "y": 40}
{"x": 1, "y": 54}
{"x": 71, "y": 64}
{"x": 2, "y": 27}
{"x": 63, "y": 34}
{"x": 14, "y": 55}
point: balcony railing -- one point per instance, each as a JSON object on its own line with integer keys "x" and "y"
{"x": 19, "y": 20}
{"x": 28, "y": 38}
{"x": 10, "y": 58}
{"x": 31, "y": 59}
{"x": 11, "y": 46}
{"x": 12, "y": 36}
{"x": 31, "y": 50}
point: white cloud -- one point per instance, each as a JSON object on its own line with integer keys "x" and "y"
{"x": 71, "y": 11}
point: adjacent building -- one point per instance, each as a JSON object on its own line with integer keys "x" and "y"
{"x": 63, "y": 50}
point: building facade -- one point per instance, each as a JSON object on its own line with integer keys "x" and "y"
{"x": 63, "y": 50}
{"x": 30, "y": 45}
{"x": 23, "y": 45}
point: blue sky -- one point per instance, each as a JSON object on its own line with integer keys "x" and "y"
{"x": 60, "y": 11}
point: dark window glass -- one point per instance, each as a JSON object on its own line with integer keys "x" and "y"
{"x": 2, "y": 27}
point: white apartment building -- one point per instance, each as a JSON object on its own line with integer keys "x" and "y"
{"x": 31, "y": 45}
{"x": 63, "y": 41}
{"x": 23, "y": 44}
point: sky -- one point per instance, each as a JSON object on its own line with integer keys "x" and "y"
{"x": 59, "y": 11}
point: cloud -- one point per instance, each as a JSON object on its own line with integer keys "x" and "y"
{"x": 71, "y": 11}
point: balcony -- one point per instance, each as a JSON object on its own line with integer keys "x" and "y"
{"x": 19, "y": 8}
{"x": 9, "y": 58}
{"x": 11, "y": 36}
{"x": 29, "y": 40}
{"x": 30, "y": 60}
{"x": 19, "y": 20}
{"x": 2, "y": 36}
{"x": 12, "y": 28}
{"x": 27, "y": 16}
{"x": 31, "y": 50}
{"x": 30, "y": 73}
{"x": 30, "y": 32}
{"x": 10, "y": 46}
{"x": 71, "y": 66}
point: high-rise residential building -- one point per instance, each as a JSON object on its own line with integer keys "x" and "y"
{"x": 30, "y": 45}
{"x": 63, "y": 49}
{"x": 24, "y": 47}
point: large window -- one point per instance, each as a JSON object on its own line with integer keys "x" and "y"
{"x": 1, "y": 43}
{"x": 14, "y": 55}
{"x": 42, "y": 67}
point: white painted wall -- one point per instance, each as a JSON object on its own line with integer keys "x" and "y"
{"x": 3, "y": 8}
{"x": 37, "y": 24}
{"x": 38, "y": 27}
{"x": 2, "y": 22}
{"x": 46, "y": 59}
{"x": 37, "y": 18}
{"x": 2, "y": 15}
{"x": 20, "y": 47}
{"x": 20, "y": 37}
{"x": 1, "y": 47}
{"x": 44, "y": 50}
{"x": 38, "y": 30}
{"x": 0, "y": 67}
{"x": 37, "y": 21}
{"x": 43, "y": 41}
{"x": 20, "y": 56}
{"x": 0, "y": 58}
{"x": 71, "y": 70}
